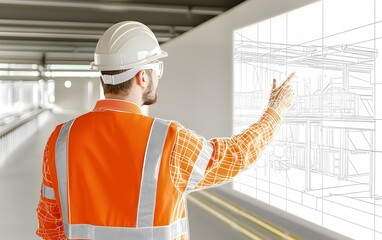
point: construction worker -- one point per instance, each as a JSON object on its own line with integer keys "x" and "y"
{"x": 114, "y": 173}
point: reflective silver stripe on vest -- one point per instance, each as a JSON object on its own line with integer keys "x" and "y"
{"x": 47, "y": 192}
{"x": 86, "y": 231}
{"x": 151, "y": 164}
{"x": 61, "y": 166}
{"x": 201, "y": 163}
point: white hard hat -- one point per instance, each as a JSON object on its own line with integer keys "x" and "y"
{"x": 126, "y": 45}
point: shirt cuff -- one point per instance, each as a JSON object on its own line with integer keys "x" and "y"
{"x": 273, "y": 114}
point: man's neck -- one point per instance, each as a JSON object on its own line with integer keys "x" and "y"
{"x": 129, "y": 98}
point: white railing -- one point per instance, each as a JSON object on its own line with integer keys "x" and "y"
{"x": 15, "y": 133}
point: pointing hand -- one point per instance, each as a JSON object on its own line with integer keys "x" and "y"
{"x": 282, "y": 97}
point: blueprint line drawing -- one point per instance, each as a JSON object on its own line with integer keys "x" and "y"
{"x": 325, "y": 162}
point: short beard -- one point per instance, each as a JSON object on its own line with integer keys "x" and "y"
{"x": 146, "y": 99}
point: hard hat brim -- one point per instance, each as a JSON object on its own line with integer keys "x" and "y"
{"x": 101, "y": 67}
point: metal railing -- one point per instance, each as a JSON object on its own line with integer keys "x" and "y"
{"x": 15, "y": 129}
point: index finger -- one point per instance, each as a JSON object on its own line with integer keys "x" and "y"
{"x": 288, "y": 79}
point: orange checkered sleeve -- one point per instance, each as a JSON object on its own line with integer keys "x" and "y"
{"x": 228, "y": 157}
{"x": 50, "y": 225}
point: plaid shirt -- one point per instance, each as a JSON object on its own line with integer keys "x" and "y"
{"x": 230, "y": 156}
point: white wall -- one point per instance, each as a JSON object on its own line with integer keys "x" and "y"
{"x": 80, "y": 97}
{"x": 196, "y": 88}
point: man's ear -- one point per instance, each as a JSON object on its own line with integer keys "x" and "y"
{"x": 140, "y": 78}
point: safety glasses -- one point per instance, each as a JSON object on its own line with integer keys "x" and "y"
{"x": 122, "y": 77}
{"x": 157, "y": 67}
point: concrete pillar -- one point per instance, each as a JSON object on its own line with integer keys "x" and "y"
{"x": 308, "y": 161}
{"x": 376, "y": 166}
{"x": 345, "y": 74}
{"x": 376, "y": 159}
{"x": 344, "y": 166}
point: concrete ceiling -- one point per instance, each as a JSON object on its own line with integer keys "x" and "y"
{"x": 61, "y": 31}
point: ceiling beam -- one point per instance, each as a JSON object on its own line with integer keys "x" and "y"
{"x": 47, "y": 43}
{"x": 49, "y": 35}
{"x": 18, "y": 22}
{"x": 19, "y": 30}
{"x": 44, "y": 48}
{"x": 118, "y": 7}
{"x": 87, "y": 25}
{"x": 28, "y": 29}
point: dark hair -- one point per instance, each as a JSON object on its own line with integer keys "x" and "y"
{"x": 122, "y": 88}
{"x": 119, "y": 89}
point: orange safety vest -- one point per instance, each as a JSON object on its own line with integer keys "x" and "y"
{"x": 111, "y": 177}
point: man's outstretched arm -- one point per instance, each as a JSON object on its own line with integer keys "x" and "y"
{"x": 229, "y": 156}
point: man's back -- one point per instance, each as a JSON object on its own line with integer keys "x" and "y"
{"x": 113, "y": 177}
{"x": 106, "y": 152}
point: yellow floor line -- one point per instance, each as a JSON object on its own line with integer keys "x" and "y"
{"x": 250, "y": 217}
{"x": 239, "y": 227}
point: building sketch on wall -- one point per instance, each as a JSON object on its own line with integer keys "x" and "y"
{"x": 324, "y": 163}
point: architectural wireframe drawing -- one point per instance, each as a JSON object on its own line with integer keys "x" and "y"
{"x": 325, "y": 164}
